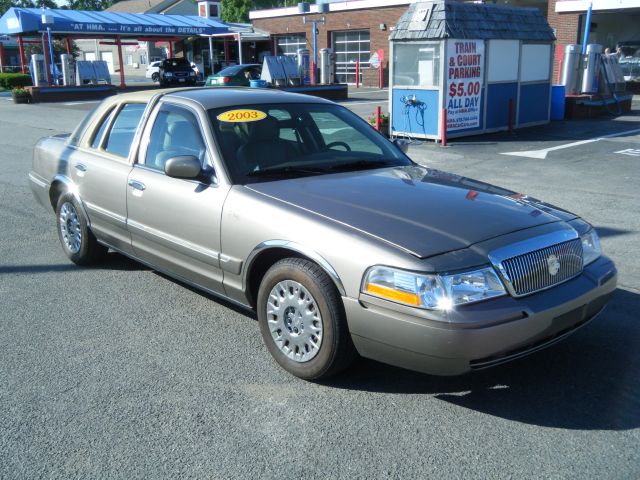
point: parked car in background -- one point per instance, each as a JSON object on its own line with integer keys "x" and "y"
{"x": 153, "y": 71}
{"x": 176, "y": 71}
{"x": 235, "y": 76}
{"x": 294, "y": 207}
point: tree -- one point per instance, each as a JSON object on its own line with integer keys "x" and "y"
{"x": 59, "y": 47}
{"x": 7, "y": 4}
{"x": 94, "y": 5}
{"x": 237, "y": 11}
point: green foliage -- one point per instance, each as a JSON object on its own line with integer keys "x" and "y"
{"x": 19, "y": 92}
{"x": 237, "y": 11}
{"x": 7, "y": 4}
{"x": 59, "y": 47}
{"x": 14, "y": 80}
{"x": 94, "y": 5}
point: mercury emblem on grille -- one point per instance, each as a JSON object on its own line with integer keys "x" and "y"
{"x": 553, "y": 264}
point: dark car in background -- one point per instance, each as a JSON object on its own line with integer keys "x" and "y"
{"x": 235, "y": 76}
{"x": 176, "y": 71}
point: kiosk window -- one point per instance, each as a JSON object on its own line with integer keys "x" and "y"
{"x": 416, "y": 65}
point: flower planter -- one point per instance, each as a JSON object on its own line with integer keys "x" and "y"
{"x": 21, "y": 99}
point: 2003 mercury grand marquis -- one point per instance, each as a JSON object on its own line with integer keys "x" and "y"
{"x": 295, "y": 207}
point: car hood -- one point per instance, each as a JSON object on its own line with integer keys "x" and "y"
{"x": 423, "y": 211}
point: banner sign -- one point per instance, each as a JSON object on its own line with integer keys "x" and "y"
{"x": 465, "y": 72}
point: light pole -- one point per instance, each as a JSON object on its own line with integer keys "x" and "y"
{"x": 315, "y": 23}
{"x": 48, "y": 20}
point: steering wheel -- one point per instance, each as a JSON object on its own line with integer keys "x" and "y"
{"x": 339, "y": 144}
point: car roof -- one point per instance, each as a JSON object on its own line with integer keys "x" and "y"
{"x": 219, "y": 97}
{"x": 226, "y": 96}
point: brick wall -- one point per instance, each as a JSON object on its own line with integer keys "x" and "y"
{"x": 369, "y": 19}
{"x": 566, "y": 27}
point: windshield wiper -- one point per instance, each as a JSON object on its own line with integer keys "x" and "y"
{"x": 288, "y": 170}
{"x": 360, "y": 165}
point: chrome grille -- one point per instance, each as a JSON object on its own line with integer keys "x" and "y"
{"x": 531, "y": 272}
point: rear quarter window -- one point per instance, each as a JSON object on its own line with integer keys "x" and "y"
{"x": 124, "y": 128}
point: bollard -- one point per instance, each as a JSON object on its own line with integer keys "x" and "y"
{"x": 378, "y": 117}
{"x": 443, "y": 128}
{"x": 313, "y": 73}
{"x": 357, "y": 73}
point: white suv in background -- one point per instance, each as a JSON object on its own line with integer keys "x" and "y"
{"x": 153, "y": 71}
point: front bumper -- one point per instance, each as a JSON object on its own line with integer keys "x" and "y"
{"x": 483, "y": 334}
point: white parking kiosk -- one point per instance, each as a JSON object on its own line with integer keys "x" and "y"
{"x": 463, "y": 69}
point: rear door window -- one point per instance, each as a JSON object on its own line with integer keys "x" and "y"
{"x": 123, "y": 129}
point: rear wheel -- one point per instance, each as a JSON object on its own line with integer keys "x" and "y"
{"x": 78, "y": 242}
{"x": 302, "y": 320}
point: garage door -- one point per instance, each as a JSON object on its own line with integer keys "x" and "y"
{"x": 350, "y": 47}
{"x": 289, "y": 44}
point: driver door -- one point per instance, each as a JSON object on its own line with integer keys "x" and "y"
{"x": 175, "y": 223}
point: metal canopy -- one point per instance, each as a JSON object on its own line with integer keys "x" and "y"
{"x": 78, "y": 23}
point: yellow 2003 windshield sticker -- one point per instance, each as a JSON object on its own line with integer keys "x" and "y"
{"x": 242, "y": 116}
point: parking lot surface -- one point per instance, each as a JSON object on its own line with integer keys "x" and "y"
{"x": 119, "y": 372}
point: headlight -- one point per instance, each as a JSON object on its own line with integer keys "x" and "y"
{"x": 192, "y": 74}
{"x": 440, "y": 292}
{"x": 591, "y": 250}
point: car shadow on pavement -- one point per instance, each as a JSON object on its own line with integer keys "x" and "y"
{"x": 587, "y": 382}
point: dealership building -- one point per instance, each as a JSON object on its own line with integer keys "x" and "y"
{"x": 356, "y": 29}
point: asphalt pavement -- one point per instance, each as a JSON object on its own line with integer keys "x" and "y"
{"x": 119, "y": 372}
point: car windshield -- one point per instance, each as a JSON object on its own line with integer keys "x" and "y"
{"x": 230, "y": 71}
{"x": 176, "y": 64}
{"x": 277, "y": 141}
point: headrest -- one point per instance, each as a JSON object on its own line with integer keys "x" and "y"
{"x": 265, "y": 130}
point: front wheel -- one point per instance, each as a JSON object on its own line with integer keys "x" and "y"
{"x": 78, "y": 242}
{"x": 155, "y": 77}
{"x": 302, "y": 320}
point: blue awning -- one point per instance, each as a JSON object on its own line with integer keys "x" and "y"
{"x": 77, "y": 22}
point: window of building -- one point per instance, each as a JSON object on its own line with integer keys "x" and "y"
{"x": 289, "y": 44}
{"x": 123, "y": 129}
{"x": 416, "y": 64}
{"x": 351, "y": 47}
{"x": 128, "y": 59}
{"x": 143, "y": 59}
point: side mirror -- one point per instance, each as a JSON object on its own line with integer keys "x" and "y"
{"x": 183, "y": 166}
{"x": 402, "y": 144}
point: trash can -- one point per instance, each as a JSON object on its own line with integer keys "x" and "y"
{"x": 557, "y": 102}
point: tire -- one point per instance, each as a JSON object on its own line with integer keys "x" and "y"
{"x": 311, "y": 342}
{"x": 155, "y": 77}
{"x": 77, "y": 240}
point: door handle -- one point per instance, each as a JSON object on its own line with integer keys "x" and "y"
{"x": 81, "y": 166}
{"x": 136, "y": 184}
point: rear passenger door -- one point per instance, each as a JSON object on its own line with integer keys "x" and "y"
{"x": 175, "y": 223}
{"x": 100, "y": 168}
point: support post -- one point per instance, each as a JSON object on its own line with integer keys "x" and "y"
{"x": 54, "y": 69}
{"x": 315, "y": 53}
{"x": 511, "y": 115}
{"x": 226, "y": 52}
{"x": 119, "y": 44}
{"x": 239, "y": 49}
{"x": 68, "y": 44}
{"x": 378, "y": 117}
{"x": 170, "y": 49}
{"x": 1, "y": 57}
{"x": 47, "y": 60}
{"x": 210, "y": 56}
{"x": 357, "y": 73}
{"x": 443, "y": 129}
{"x": 380, "y": 77}
{"x": 21, "y": 49}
